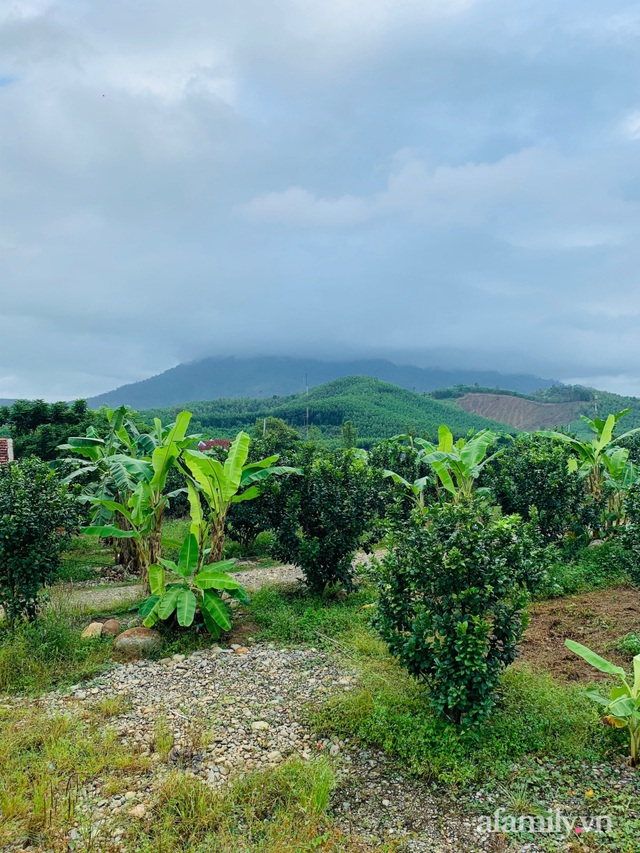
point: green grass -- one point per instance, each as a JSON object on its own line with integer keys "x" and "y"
{"x": 49, "y": 653}
{"x": 47, "y": 760}
{"x": 592, "y": 568}
{"x": 293, "y": 616}
{"x": 283, "y": 810}
{"x": 83, "y": 555}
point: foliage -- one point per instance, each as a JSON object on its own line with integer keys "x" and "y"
{"x": 324, "y": 515}
{"x": 602, "y": 464}
{"x": 377, "y": 410}
{"x": 37, "y": 428}
{"x": 630, "y": 536}
{"x": 221, "y": 485}
{"x": 199, "y": 588}
{"x": 608, "y": 564}
{"x": 349, "y": 435}
{"x": 37, "y": 515}
{"x": 456, "y": 466}
{"x": 532, "y": 473}
{"x": 622, "y": 706}
{"x": 453, "y": 587}
{"x": 276, "y": 435}
{"x": 144, "y": 479}
{"x": 48, "y": 652}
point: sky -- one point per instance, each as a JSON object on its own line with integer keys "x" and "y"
{"x": 439, "y": 182}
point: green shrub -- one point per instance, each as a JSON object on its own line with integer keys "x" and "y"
{"x": 453, "y": 587}
{"x": 325, "y": 514}
{"x": 532, "y": 472}
{"x": 631, "y": 536}
{"x": 37, "y": 515}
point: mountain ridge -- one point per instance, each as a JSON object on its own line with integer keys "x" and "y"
{"x": 216, "y": 378}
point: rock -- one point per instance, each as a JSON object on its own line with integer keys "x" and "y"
{"x": 179, "y": 658}
{"x": 111, "y": 628}
{"x": 259, "y": 726}
{"x": 274, "y": 756}
{"x": 137, "y": 811}
{"x": 93, "y": 630}
{"x": 241, "y": 650}
{"x": 137, "y": 643}
{"x": 596, "y": 543}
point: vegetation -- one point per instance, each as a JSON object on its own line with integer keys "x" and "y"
{"x": 325, "y": 514}
{"x": 198, "y": 589}
{"x": 37, "y": 515}
{"x": 453, "y": 588}
{"x": 37, "y": 428}
{"x": 376, "y": 410}
{"x": 622, "y": 706}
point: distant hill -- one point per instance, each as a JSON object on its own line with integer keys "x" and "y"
{"x": 214, "y": 378}
{"x": 560, "y": 405}
{"x": 4, "y": 402}
{"x": 377, "y": 410}
{"x": 521, "y": 413}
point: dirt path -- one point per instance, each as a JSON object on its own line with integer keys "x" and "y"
{"x": 97, "y": 598}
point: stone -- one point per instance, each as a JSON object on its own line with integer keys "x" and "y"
{"x": 179, "y": 658}
{"x": 93, "y": 630}
{"x": 137, "y": 811}
{"x": 260, "y": 726}
{"x": 137, "y": 643}
{"x": 274, "y": 756}
{"x": 111, "y": 628}
{"x": 241, "y": 650}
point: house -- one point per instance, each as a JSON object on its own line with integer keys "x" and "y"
{"x": 208, "y": 443}
{"x": 6, "y": 450}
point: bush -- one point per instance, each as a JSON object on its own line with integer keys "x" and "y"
{"x": 453, "y": 587}
{"x": 630, "y": 538}
{"x": 37, "y": 515}
{"x": 326, "y": 512}
{"x": 532, "y": 472}
{"x": 596, "y": 567}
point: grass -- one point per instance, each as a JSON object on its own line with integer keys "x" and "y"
{"x": 293, "y": 616}
{"x": 48, "y": 653}
{"x": 50, "y": 761}
{"x": 83, "y": 555}
{"x": 283, "y": 810}
{"x": 46, "y": 762}
{"x": 592, "y": 568}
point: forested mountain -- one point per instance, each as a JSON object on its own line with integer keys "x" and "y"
{"x": 214, "y": 378}
{"x": 376, "y": 409}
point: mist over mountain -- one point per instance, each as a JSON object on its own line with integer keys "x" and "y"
{"x": 213, "y": 378}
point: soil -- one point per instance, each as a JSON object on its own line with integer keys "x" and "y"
{"x": 520, "y": 413}
{"x": 595, "y": 619}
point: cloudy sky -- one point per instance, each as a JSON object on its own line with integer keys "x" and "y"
{"x": 436, "y": 181}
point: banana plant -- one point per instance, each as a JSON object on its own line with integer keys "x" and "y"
{"x": 457, "y": 465}
{"x": 140, "y": 516}
{"x": 600, "y": 460}
{"x": 198, "y": 588}
{"x": 220, "y": 485}
{"x": 622, "y": 705}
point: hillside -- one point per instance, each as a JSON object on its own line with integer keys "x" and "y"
{"x": 377, "y": 410}
{"x": 553, "y": 407}
{"x": 524, "y": 414}
{"x": 219, "y": 378}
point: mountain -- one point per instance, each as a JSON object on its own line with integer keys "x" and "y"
{"x": 4, "y": 402}
{"x": 214, "y": 378}
{"x": 376, "y": 409}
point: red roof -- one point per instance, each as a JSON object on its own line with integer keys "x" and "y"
{"x": 208, "y": 443}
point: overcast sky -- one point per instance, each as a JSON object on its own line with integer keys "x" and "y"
{"x": 435, "y": 181}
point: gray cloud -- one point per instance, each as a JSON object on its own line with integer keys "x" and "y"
{"x": 451, "y": 181}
